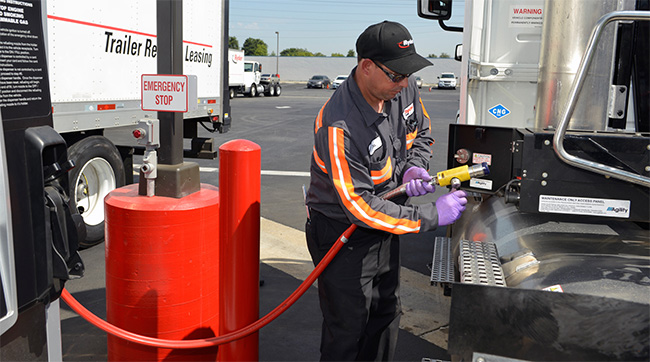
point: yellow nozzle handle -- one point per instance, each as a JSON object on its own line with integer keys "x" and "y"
{"x": 444, "y": 177}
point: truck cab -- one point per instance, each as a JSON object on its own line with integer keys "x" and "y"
{"x": 245, "y": 77}
{"x": 554, "y": 98}
{"x": 252, "y": 78}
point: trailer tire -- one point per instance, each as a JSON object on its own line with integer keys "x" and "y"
{"x": 98, "y": 171}
{"x": 278, "y": 90}
{"x": 253, "y": 92}
{"x": 270, "y": 91}
{"x": 232, "y": 93}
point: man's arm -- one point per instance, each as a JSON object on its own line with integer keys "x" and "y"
{"x": 355, "y": 189}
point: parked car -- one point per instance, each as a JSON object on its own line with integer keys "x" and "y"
{"x": 271, "y": 83}
{"x": 339, "y": 79}
{"x": 319, "y": 81}
{"x": 418, "y": 81}
{"x": 447, "y": 80}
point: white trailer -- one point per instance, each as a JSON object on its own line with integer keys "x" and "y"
{"x": 97, "y": 52}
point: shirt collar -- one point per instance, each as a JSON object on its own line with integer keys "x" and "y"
{"x": 367, "y": 112}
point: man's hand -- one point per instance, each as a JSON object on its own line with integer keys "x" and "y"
{"x": 417, "y": 182}
{"x": 450, "y": 206}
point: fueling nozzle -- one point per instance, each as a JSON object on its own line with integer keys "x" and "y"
{"x": 457, "y": 175}
{"x": 452, "y": 177}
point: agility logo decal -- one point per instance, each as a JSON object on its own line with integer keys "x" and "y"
{"x": 617, "y": 209}
{"x": 405, "y": 43}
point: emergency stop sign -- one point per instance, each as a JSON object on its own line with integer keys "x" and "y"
{"x": 166, "y": 93}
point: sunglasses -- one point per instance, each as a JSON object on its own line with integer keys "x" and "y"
{"x": 396, "y": 78}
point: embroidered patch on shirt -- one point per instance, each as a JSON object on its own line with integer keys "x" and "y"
{"x": 408, "y": 111}
{"x": 374, "y": 145}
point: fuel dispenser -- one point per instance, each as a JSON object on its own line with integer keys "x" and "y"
{"x": 39, "y": 248}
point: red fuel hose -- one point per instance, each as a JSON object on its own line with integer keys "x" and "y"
{"x": 210, "y": 342}
{"x": 253, "y": 327}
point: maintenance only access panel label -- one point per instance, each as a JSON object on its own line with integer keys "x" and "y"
{"x": 584, "y": 206}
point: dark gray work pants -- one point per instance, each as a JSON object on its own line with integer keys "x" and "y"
{"x": 358, "y": 291}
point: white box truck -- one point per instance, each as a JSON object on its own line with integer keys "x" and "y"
{"x": 245, "y": 77}
{"x": 97, "y": 52}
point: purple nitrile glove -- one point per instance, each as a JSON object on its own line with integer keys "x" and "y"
{"x": 450, "y": 206}
{"x": 417, "y": 182}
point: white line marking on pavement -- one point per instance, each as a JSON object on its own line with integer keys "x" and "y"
{"x": 285, "y": 173}
{"x": 136, "y": 171}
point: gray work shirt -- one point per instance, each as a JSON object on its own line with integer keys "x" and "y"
{"x": 359, "y": 154}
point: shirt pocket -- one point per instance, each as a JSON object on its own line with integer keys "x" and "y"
{"x": 381, "y": 171}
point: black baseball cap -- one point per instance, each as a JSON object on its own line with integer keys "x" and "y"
{"x": 391, "y": 44}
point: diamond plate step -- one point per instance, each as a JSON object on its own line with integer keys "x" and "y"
{"x": 442, "y": 266}
{"x": 479, "y": 263}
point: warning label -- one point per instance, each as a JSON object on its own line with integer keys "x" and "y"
{"x": 522, "y": 16}
{"x": 584, "y": 206}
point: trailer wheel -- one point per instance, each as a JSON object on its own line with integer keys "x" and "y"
{"x": 232, "y": 93}
{"x": 253, "y": 92}
{"x": 98, "y": 171}
{"x": 278, "y": 90}
{"x": 270, "y": 91}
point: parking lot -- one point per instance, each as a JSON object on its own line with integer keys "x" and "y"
{"x": 283, "y": 127}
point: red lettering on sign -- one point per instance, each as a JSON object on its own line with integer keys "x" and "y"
{"x": 528, "y": 11}
{"x": 166, "y": 100}
{"x": 155, "y": 85}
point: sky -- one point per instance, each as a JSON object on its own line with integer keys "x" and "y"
{"x": 332, "y": 26}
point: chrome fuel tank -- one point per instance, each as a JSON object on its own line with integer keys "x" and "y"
{"x": 589, "y": 256}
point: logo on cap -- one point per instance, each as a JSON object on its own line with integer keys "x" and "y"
{"x": 405, "y": 43}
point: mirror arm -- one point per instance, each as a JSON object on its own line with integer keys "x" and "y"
{"x": 449, "y": 28}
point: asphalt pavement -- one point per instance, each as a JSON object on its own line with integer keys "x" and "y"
{"x": 282, "y": 127}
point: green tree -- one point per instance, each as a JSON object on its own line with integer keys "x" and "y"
{"x": 233, "y": 43}
{"x": 432, "y": 56}
{"x": 351, "y": 53}
{"x": 337, "y": 54}
{"x": 296, "y": 52}
{"x": 319, "y": 54}
{"x": 255, "y": 47}
{"x": 444, "y": 55}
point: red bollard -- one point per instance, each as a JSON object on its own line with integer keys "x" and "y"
{"x": 240, "y": 185}
{"x": 162, "y": 271}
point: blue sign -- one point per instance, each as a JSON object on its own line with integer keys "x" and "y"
{"x": 499, "y": 111}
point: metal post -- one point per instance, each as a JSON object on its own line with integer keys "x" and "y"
{"x": 277, "y": 53}
{"x": 175, "y": 177}
{"x": 170, "y": 61}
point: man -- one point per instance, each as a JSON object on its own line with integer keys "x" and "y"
{"x": 370, "y": 137}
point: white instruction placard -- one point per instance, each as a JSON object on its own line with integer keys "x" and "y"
{"x": 584, "y": 206}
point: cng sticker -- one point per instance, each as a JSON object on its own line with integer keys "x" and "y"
{"x": 499, "y": 111}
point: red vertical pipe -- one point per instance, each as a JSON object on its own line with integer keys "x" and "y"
{"x": 239, "y": 234}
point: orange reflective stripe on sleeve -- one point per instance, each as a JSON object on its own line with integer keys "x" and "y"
{"x": 319, "y": 162}
{"x": 426, "y": 114}
{"x": 354, "y": 203}
{"x": 410, "y": 138}
{"x": 382, "y": 175}
{"x": 319, "y": 119}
